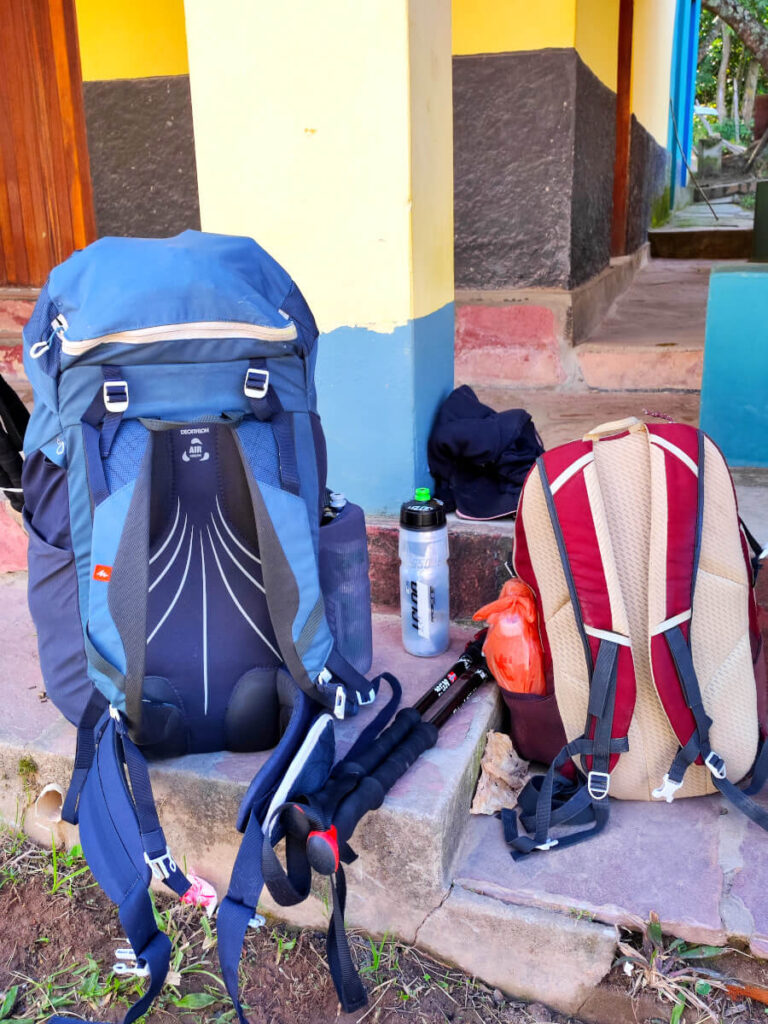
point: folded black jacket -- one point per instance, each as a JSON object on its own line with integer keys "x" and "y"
{"x": 480, "y": 458}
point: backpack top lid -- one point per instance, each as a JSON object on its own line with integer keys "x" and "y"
{"x": 125, "y": 284}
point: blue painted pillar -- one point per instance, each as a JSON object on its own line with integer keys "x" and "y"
{"x": 324, "y": 130}
{"x": 682, "y": 89}
{"x": 734, "y": 393}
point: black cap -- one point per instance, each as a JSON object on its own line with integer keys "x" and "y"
{"x": 422, "y": 512}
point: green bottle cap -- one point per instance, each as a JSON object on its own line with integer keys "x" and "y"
{"x": 422, "y": 494}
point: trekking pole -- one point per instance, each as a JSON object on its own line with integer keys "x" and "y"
{"x": 471, "y": 657}
{"x": 371, "y": 789}
{"x": 361, "y": 760}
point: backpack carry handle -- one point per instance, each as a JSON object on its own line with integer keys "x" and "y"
{"x": 613, "y": 427}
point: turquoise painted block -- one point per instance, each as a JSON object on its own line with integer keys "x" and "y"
{"x": 734, "y": 387}
{"x": 377, "y": 395}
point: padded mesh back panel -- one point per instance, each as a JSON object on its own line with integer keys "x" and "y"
{"x": 207, "y": 618}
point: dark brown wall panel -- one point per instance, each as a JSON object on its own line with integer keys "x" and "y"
{"x": 534, "y": 144}
{"x": 141, "y": 144}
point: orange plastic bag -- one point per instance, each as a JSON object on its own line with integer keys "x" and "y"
{"x": 513, "y": 645}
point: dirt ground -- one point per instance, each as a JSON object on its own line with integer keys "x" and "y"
{"x": 58, "y": 935}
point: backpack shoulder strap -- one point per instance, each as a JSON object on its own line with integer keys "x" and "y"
{"x": 577, "y": 515}
{"x": 123, "y": 843}
{"x": 671, "y": 599}
{"x": 291, "y": 577}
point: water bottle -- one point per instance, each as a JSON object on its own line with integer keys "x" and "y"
{"x": 424, "y": 600}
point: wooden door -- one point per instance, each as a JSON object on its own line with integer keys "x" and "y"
{"x": 46, "y": 201}
{"x": 623, "y": 129}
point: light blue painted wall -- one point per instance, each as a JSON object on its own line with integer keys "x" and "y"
{"x": 734, "y": 389}
{"x": 377, "y": 396}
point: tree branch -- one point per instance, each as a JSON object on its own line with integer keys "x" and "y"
{"x": 711, "y": 36}
{"x": 750, "y": 30}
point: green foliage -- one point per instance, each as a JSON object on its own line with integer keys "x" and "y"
{"x": 9, "y": 1001}
{"x": 709, "y": 65}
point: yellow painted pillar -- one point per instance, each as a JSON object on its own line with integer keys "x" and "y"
{"x": 323, "y": 129}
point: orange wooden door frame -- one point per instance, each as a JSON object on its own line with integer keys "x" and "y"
{"x": 623, "y": 130}
{"x": 46, "y": 199}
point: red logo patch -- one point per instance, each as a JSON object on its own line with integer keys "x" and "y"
{"x": 103, "y": 573}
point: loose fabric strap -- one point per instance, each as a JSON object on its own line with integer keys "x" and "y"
{"x": 755, "y": 546}
{"x": 156, "y": 851}
{"x": 238, "y": 909}
{"x": 13, "y": 423}
{"x": 137, "y": 919}
{"x": 93, "y": 719}
{"x": 99, "y": 427}
{"x": 552, "y": 807}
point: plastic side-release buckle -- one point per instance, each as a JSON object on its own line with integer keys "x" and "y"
{"x": 598, "y": 784}
{"x": 365, "y": 701}
{"x": 115, "y": 394}
{"x": 716, "y": 764}
{"x": 257, "y": 921}
{"x": 128, "y": 965}
{"x": 256, "y": 383}
{"x": 548, "y": 845}
{"x": 667, "y": 789}
{"x": 162, "y": 866}
{"x": 340, "y": 703}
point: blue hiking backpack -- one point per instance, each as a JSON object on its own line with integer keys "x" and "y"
{"x": 185, "y": 594}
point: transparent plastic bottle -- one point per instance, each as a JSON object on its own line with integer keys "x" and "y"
{"x": 424, "y": 595}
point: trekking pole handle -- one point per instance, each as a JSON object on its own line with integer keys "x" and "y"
{"x": 323, "y": 846}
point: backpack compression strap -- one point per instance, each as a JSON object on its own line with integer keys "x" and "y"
{"x": 671, "y": 659}
{"x": 571, "y": 489}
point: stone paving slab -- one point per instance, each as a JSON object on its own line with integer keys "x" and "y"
{"x": 552, "y": 958}
{"x": 649, "y": 857}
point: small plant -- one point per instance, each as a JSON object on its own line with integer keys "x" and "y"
{"x": 377, "y": 954}
{"x": 284, "y": 945}
{"x": 27, "y": 770}
{"x": 668, "y": 971}
{"x": 62, "y": 860}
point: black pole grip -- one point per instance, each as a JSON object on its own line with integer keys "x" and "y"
{"x": 369, "y": 794}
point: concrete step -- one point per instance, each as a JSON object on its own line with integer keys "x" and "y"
{"x": 563, "y": 416}
{"x": 711, "y": 243}
{"x": 660, "y": 365}
{"x": 645, "y": 860}
{"x": 723, "y": 189}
